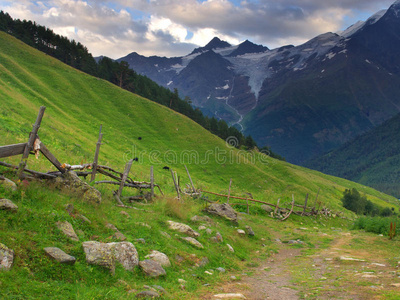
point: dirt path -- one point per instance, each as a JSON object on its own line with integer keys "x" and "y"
{"x": 344, "y": 270}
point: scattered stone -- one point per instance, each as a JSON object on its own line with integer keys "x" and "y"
{"x": 395, "y": 284}
{"x": 99, "y": 254}
{"x": 219, "y": 237}
{"x": 204, "y": 261}
{"x": 223, "y": 210}
{"x": 6, "y": 204}
{"x": 183, "y": 228}
{"x": 124, "y": 213}
{"x": 229, "y": 296}
{"x": 193, "y": 242}
{"x": 208, "y": 272}
{"x": 119, "y": 236}
{"x": 165, "y": 234}
{"x": 143, "y": 224}
{"x": 208, "y": 231}
{"x": 233, "y": 277}
{"x": 292, "y": 242}
{"x": 267, "y": 208}
{"x": 147, "y": 294}
{"x": 249, "y": 230}
{"x": 369, "y": 276}
{"x": 84, "y": 219}
{"x": 103, "y": 254}
{"x": 230, "y": 248}
{"x": 201, "y": 219}
{"x": 141, "y": 240}
{"x": 68, "y": 230}
{"x": 221, "y": 270}
{"x": 378, "y": 265}
{"x": 241, "y": 232}
{"x": 6, "y": 257}
{"x": 59, "y": 255}
{"x": 159, "y": 257}
{"x": 179, "y": 258}
{"x": 70, "y": 182}
{"x": 111, "y": 226}
{"x": 160, "y": 289}
{"x": 70, "y": 208}
{"x": 181, "y": 281}
{"x": 8, "y": 184}
{"x": 344, "y": 258}
{"x": 152, "y": 268}
{"x": 202, "y": 228}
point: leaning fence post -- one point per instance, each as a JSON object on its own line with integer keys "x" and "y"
{"x": 152, "y": 181}
{"x": 229, "y": 191}
{"x": 96, "y": 155}
{"x": 176, "y": 186}
{"x": 124, "y": 177}
{"x": 305, "y": 205}
{"x": 32, "y": 138}
{"x": 190, "y": 178}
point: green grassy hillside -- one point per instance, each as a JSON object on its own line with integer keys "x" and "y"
{"x": 76, "y": 106}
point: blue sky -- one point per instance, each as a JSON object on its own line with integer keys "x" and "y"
{"x": 169, "y": 28}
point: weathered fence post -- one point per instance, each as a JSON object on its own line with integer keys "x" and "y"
{"x": 124, "y": 177}
{"x": 277, "y": 206}
{"x": 190, "y": 178}
{"x": 176, "y": 186}
{"x": 229, "y": 191}
{"x": 305, "y": 205}
{"x": 152, "y": 181}
{"x": 32, "y": 138}
{"x": 96, "y": 155}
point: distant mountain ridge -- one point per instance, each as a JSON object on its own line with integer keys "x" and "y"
{"x": 301, "y": 100}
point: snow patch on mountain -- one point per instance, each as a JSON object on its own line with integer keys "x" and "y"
{"x": 360, "y": 24}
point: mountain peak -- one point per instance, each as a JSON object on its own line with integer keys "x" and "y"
{"x": 248, "y": 47}
{"x": 215, "y": 43}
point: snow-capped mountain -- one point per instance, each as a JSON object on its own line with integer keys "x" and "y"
{"x": 301, "y": 100}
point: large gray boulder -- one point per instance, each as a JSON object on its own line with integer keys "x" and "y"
{"x": 70, "y": 182}
{"x": 223, "y": 210}
{"x": 59, "y": 255}
{"x": 6, "y": 204}
{"x": 183, "y": 228}
{"x": 152, "y": 268}
{"x": 6, "y": 257}
{"x": 107, "y": 254}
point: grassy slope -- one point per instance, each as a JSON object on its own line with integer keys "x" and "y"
{"x": 76, "y": 105}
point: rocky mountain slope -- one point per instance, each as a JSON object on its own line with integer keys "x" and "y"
{"x": 302, "y": 101}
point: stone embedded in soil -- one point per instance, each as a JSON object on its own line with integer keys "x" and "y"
{"x": 68, "y": 230}
{"x": 182, "y": 228}
{"x": 147, "y": 294}
{"x": 6, "y": 204}
{"x": 159, "y": 257}
{"x": 152, "y": 268}
{"x": 229, "y": 296}
{"x": 6, "y": 257}
{"x": 193, "y": 242}
{"x": 59, "y": 255}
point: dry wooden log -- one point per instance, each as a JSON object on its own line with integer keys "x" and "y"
{"x": 136, "y": 186}
{"x": 34, "y": 173}
{"x": 291, "y": 210}
{"x": 241, "y": 198}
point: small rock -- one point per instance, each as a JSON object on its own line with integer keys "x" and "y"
{"x": 219, "y": 237}
{"x": 6, "y": 257}
{"x": 233, "y": 277}
{"x": 160, "y": 289}
{"x": 181, "y": 281}
{"x": 208, "y": 231}
{"x": 111, "y": 226}
{"x": 69, "y": 208}
{"x": 249, "y": 230}
{"x": 68, "y": 230}
{"x": 183, "y": 228}
{"x": 159, "y": 257}
{"x": 202, "y": 228}
{"x": 147, "y": 294}
{"x": 140, "y": 240}
{"x": 204, "y": 261}
{"x": 84, "y": 219}
{"x": 201, "y": 219}
{"x": 59, "y": 255}
{"x": 179, "y": 258}
{"x": 241, "y": 232}
{"x": 119, "y": 236}
{"x": 8, "y": 184}
{"x": 267, "y": 208}
{"x": 193, "y": 242}
{"x": 165, "y": 234}
{"x": 143, "y": 224}
{"x": 152, "y": 268}
{"x": 351, "y": 259}
{"x": 230, "y": 248}
{"x": 6, "y": 204}
{"x": 378, "y": 265}
{"x": 221, "y": 270}
{"x": 207, "y": 272}
{"x": 229, "y": 296}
